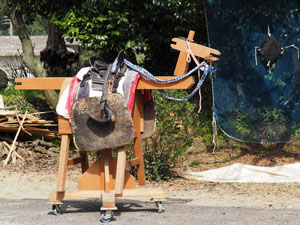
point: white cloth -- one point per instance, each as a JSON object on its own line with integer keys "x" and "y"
{"x": 82, "y": 72}
{"x": 61, "y": 105}
{"x": 250, "y": 174}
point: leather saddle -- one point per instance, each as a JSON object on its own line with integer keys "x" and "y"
{"x": 101, "y": 122}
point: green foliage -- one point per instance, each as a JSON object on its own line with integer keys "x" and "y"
{"x": 32, "y": 8}
{"x": 243, "y": 125}
{"x": 106, "y": 27}
{"x": 204, "y": 128}
{"x": 173, "y": 135}
{"x": 157, "y": 166}
{"x": 12, "y": 97}
{"x": 38, "y": 26}
{"x": 56, "y": 142}
{"x": 26, "y": 100}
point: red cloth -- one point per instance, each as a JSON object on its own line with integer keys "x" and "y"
{"x": 132, "y": 93}
{"x": 147, "y": 93}
{"x": 72, "y": 92}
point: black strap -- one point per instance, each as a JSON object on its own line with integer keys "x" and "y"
{"x": 104, "y": 107}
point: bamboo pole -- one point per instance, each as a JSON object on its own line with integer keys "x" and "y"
{"x": 13, "y": 145}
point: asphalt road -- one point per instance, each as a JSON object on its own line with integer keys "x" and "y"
{"x": 132, "y": 212}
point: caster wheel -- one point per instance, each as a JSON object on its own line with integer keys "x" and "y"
{"x": 107, "y": 216}
{"x": 160, "y": 207}
{"x": 56, "y": 209}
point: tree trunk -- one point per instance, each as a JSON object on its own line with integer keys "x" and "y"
{"x": 55, "y": 39}
{"x": 56, "y": 59}
{"x": 32, "y": 62}
{"x": 51, "y": 55}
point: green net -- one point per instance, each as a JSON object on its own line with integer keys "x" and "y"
{"x": 257, "y": 86}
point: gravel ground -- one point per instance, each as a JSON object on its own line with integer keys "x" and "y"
{"x": 23, "y": 200}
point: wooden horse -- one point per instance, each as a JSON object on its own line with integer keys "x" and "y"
{"x": 108, "y": 178}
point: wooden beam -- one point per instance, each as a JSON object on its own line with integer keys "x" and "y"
{"x": 64, "y": 126}
{"x": 153, "y": 193}
{"x": 85, "y": 161}
{"x": 198, "y": 50}
{"x": 75, "y": 161}
{"x": 48, "y": 134}
{"x": 132, "y": 162}
{"x": 93, "y": 178}
{"x": 106, "y": 170}
{"x": 145, "y": 83}
{"x": 56, "y": 83}
{"x": 43, "y": 83}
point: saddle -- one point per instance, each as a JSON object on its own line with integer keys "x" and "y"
{"x": 101, "y": 122}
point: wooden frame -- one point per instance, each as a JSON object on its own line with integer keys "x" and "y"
{"x": 108, "y": 178}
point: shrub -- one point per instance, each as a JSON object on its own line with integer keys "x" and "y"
{"x": 173, "y": 135}
{"x": 27, "y": 100}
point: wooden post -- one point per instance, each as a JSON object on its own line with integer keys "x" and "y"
{"x": 63, "y": 161}
{"x": 85, "y": 161}
{"x": 137, "y": 113}
{"x": 108, "y": 195}
{"x": 120, "y": 172}
{"x": 182, "y": 65}
{"x": 106, "y": 171}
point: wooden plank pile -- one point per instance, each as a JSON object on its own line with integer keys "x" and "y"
{"x": 12, "y": 121}
{"x": 32, "y": 125}
{"x": 16, "y": 123}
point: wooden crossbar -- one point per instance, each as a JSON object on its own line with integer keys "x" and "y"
{"x": 50, "y": 83}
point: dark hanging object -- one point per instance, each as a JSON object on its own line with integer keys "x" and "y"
{"x": 270, "y": 50}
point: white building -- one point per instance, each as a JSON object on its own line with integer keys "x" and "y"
{"x": 11, "y": 50}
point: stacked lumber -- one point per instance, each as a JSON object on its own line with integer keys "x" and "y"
{"x": 33, "y": 125}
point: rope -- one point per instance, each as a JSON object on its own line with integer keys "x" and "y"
{"x": 215, "y": 131}
{"x": 189, "y": 54}
{"x": 293, "y": 46}
{"x": 188, "y": 96}
{"x": 203, "y": 66}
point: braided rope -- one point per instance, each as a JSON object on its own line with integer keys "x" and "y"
{"x": 202, "y": 66}
{"x": 150, "y": 76}
{"x": 188, "y": 96}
